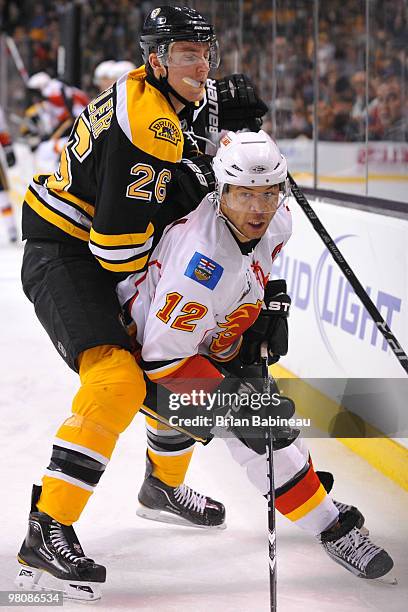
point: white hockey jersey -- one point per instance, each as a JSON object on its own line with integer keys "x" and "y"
{"x": 200, "y": 292}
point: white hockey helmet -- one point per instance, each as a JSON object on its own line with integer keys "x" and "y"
{"x": 122, "y": 67}
{"x": 249, "y": 159}
{"x": 104, "y": 70}
{"x": 39, "y": 81}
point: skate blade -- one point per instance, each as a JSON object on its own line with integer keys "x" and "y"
{"x": 28, "y": 579}
{"x": 389, "y": 580}
{"x": 385, "y": 579}
{"x": 161, "y": 516}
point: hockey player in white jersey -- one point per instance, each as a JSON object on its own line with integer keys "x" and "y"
{"x": 206, "y": 299}
{"x": 104, "y": 76}
{"x": 47, "y": 124}
{"x": 109, "y": 71}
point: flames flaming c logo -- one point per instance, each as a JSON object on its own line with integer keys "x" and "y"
{"x": 236, "y": 323}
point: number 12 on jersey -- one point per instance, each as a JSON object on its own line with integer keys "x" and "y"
{"x": 192, "y": 311}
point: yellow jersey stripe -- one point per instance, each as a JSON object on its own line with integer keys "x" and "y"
{"x": 66, "y": 209}
{"x": 121, "y": 240}
{"x": 308, "y": 506}
{"x": 62, "y": 178}
{"x": 130, "y": 266}
{"x": 69, "y": 197}
{"x": 36, "y": 178}
{"x": 121, "y": 255}
{"x": 33, "y": 109}
{"x": 54, "y": 218}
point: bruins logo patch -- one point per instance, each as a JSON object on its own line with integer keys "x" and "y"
{"x": 165, "y": 129}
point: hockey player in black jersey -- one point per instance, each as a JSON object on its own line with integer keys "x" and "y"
{"x": 88, "y": 224}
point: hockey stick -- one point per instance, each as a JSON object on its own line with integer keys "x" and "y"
{"x": 15, "y": 54}
{"x": 271, "y": 496}
{"x": 349, "y": 274}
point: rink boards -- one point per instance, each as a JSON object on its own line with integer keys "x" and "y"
{"x": 333, "y": 340}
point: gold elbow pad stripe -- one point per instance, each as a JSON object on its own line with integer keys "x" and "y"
{"x": 130, "y": 266}
{"x": 121, "y": 240}
{"x": 122, "y": 252}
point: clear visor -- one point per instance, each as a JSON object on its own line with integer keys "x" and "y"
{"x": 177, "y": 54}
{"x": 250, "y": 200}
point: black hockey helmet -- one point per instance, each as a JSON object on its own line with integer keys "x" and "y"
{"x": 167, "y": 24}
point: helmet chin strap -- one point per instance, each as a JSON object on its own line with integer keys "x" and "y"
{"x": 163, "y": 85}
{"x": 216, "y": 200}
{"x": 169, "y": 89}
{"x": 224, "y": 217}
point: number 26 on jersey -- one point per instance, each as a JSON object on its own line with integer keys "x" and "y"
{"x": 146, "y": 183}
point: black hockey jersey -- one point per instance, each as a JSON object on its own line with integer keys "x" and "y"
{"x": 113, "y": 176}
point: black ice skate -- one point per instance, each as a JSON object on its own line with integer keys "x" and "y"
{"x": 53, "y": 548}
{"x": 353, "y": 550}
{"x": 178, "y": 505}
{"x": 327, "y": 480}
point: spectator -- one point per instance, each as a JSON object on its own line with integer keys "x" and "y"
{"x": 110, "y": 31}
{"x": 389, "y": 118}
{"x": 358, "y": 83}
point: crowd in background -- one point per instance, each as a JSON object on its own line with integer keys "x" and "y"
{"x": 275, "y": 49}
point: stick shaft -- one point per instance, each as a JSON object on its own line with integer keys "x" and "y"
{"x": 14, "y": 52}
{"x": 271, "y": 495}
{"x": 349, "y": 274}
{"x": 271, "y": 521}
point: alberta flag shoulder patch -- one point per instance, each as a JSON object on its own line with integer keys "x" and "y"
{"x": 204, "y": 270}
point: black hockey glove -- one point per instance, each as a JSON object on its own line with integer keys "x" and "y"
{"x": 233, "y": 104}
{"x": 271, "y": 326}
{"x": 194, "y": 178}
{"x": 258, "y": 405}
{"x": 10, "y": 157}
{"x": 256, "y": 409}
